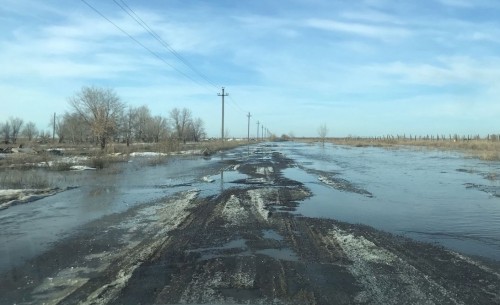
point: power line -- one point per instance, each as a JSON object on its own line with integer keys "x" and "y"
{"x": 127, "y": 9}
{"x": 139, "y": 43}
{"x": 146, "y": 27}
{"x": 236, "y": 105}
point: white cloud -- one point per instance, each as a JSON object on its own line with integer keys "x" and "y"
{"x": 447, "y": 71}
{"x": 365, "y": 30}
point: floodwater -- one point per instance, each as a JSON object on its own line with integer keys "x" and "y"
{"x": 429, "y": 195}
{"x": 432, "y": 196}
{"x": 29, "y": 229}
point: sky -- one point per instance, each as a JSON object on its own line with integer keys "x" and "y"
{"x": 362, "y": 68}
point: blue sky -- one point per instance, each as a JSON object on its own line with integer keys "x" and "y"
{"x": 365, "y": 68}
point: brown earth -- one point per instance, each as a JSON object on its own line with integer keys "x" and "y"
{"x": 245, "y": 246}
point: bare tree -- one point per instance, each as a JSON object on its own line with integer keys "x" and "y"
{"x": 128, "y": 125}
{"x": 196, "y": 130}
{"x": 30, "y": 131}
{"x": 157, "y": 128}
{"x": 59, "y": 127}
{"x": 181, "y": 120}
{"x": 322, "y": 132}
{"x": 74, "y": 128}
{"x": 142, "y": 119}
{"x": 44, "y": 136}
{"x": 5, "y": 130}
{"x": 15, "y": 125}
{"x": 100, "y": 109}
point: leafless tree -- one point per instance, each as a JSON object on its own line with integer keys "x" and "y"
{"x": 60, "y": 127}
{"x": 181, "y": 120}
{"x": 72, "y": 128}
{"x": 157, "y": 129}
{"x": 128, "y": 124}
{"x": 142, "y": 119}
{"x": 5, "y": 129}
{"x": 100, "y": 109}
{"x": 322, "y": 132}
{"x": 15, "y": 125}
{"x": 196, "y": 130}
{"x": 30, "y": 131}
{"x": 44, "y": 136}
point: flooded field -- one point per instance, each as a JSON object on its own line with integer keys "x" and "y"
{"x": 433, "y": 196}
{"x": 285, "y": 223}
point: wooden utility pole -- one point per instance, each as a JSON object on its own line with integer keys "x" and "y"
{"x": 258, "y": 130}
{"x": 222, "y": 129}
{"x": 248, "y": 136}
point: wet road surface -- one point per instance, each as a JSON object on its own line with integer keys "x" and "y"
{"x": 242, "y": 240}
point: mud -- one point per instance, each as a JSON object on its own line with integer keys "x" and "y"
{"x": 244, "y": 246}
{"x": 489, "y": 189}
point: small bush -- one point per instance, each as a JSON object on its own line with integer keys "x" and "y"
{"x": 99, "y": 162}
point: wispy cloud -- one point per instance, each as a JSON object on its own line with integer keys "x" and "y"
{"x": 344, "y": 61}
{"x": 361, "y": 29}
{"x": 447, "y": 71}
{"x": 372, "y": 16}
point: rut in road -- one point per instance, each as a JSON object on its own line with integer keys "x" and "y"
{"x": 246, "y": 245}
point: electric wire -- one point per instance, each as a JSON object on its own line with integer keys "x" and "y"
{"x": 144, "y": 25}
{"x": 127, "y": 9}
{"x": 139, "y": 43}
{"x": 236, "y": 104}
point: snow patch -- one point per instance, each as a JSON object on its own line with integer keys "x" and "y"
{"x": 234, "y": 212}
{"x": 257, "y": 201}
{"x": 366, "y": 260}
{"x": 264, "y": 170}
{"x": 208, "y": 179}
{"x": 17, "y": 196}
{"x": 147, "y": 154}
{"x": 81, "y": 168}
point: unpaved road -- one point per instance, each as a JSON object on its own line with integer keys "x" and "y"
{"x": 244, "y": 246}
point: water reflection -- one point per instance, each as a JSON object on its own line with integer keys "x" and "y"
{"x": 438, "y": 197}
{"x": 222, "y": 180}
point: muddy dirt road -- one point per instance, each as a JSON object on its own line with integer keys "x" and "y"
{"x": 244, "y": 245}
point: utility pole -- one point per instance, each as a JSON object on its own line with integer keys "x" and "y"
{"x": 54, "y": 128}
{"x": 222, "y": 129}
{"x": 258, "y": 130}
{"x": 262, "y": 132}
{"x": 248, "y": 136}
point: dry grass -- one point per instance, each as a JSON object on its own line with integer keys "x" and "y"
{"x": 115, "y": 152}
{"x": 482, "y": 149}
{"x": 21, "y": 179}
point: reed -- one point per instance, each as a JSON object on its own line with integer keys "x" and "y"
{"x": 21, "y": 179}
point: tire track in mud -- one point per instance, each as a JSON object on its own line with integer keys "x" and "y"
{"x": 224, "y": 257}
{"x": 246, "y": 246}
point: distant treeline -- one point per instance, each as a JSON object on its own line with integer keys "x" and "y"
{"x": 98, "y": 116}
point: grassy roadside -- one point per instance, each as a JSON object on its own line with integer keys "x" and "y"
{"x": 29, "y": 168}
{"x": 51, "y": 156}
{"x": 477, "y": 148}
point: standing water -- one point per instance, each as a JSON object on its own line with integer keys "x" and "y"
{"x": 434, "y": 196}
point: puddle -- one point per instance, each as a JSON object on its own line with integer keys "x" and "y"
{"x": 271, "y": 234}
{"x": 238, "y": 247}
{"x": 284, "y": 254}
